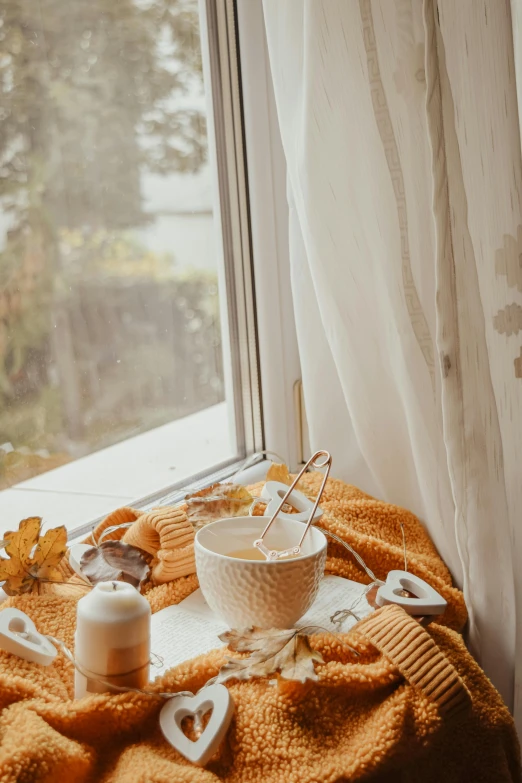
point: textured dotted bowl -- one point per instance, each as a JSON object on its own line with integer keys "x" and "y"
{"x": 253, "y": 592}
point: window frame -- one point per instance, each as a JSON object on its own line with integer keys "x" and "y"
{"x": 222, "y": 73}
{"x": 284, "y": 417}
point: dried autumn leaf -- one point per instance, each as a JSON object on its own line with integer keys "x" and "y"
{"x": 216, "y": 502}
{"x": 48, "y": 554}
{"x": 278, "y": 472}
{"x": 296, "y": 660}
{"x": 255, "y": 639}
{"x": 21, "y": 542}
{"x": 288, "y": 652}
{"x": 114, "y": 561}
{"x": 281, "y": 473}
{"x": 14, "y": 577}
{"x": 23, "y": 571}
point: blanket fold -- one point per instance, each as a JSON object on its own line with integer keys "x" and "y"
{"x": 393, "y": 701}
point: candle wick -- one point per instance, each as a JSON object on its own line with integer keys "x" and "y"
{"x": 114, "y": 585}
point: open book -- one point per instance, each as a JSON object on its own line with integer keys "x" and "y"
{"x": 190, "y": 628}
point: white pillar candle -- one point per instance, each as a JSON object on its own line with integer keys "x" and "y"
{"x": 112, "y": 639}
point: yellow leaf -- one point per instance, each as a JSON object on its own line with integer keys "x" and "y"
{"x": 22, "y": 573}
{"x": 21, "y": 542}
{"x": 16, "y": 579}
{"x": 279, "y": 473}
{"x": 50, "y": 550}
{"x": 9, "y": 567}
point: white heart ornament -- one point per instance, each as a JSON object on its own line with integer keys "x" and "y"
{"x": 426, "y": 602}
{"x": 18, "y": 635}
{"x": 215, "y": 698}
{"x": 274, "y": 492}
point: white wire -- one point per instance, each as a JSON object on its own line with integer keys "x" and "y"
{"x": 357, "y": 556}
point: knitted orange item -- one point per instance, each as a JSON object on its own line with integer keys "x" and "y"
{"x": 413, "y": 651}
{"x": 167, "y": 534}
{"x": 119, "y": 517}
{"x": 372, "y": 527}
{"x": 394, "y": 703}
{"x": 372, "y": 716}
{"x": 164, "y": 533}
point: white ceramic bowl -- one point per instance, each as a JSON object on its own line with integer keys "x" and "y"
{"x": 253, "y": 592}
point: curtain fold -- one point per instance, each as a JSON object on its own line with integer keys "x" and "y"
{"x": 472, "y": 429}
{"x": 400, "y": 128}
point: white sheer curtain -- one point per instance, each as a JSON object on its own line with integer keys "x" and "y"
{"x": 399, "y": 122}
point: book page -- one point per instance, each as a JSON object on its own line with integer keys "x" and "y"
{"x": 336, "y": 593}
{"x": 190, "y": 628}
{"x": 179, "y": 634}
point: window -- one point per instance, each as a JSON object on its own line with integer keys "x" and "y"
{"x": 128, "y": 350}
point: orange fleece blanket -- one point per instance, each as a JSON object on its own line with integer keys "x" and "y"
{"x": 394, "y": 701}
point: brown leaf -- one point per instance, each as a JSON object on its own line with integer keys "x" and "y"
{"x": 114, "y": 561}
{"x": 288, "y": 652}
{"x": 216, "y": 502}
{"x": 296, "y": 660}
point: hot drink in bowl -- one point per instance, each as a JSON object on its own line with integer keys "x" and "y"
{"x": 243, "y": 587}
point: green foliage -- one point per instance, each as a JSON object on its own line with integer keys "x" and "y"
{"x": 104, "y": 255}
{"x": 95, "y": 91}
{"x": 32, "y": 413}
{"x": 33, "y": 425}
{"x": 92, "y": 93}
{"x": 27, "y": 264}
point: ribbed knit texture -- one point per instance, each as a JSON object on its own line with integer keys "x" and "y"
{"x": 412, "y": 650}
{"x": 119, "y": 517}
{"x": 166, "y": 534}
{"x": 163, "y": 533}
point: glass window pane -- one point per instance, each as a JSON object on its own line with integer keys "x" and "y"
{"x": 110, "y": 321}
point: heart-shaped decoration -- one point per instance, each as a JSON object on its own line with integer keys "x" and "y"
{"x": 18, "y": 635}
{"x": 426, "y": 602}
{"x": 215, "y": 698}
{"x": 274, "y": 492}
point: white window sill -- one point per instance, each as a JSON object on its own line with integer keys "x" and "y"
{"x": 92, "y": 486}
